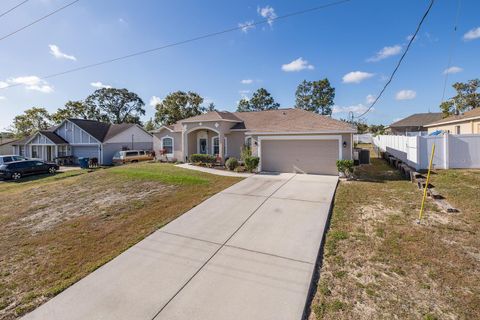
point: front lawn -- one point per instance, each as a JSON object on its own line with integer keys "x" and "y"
{"x": 57, "y": 229}
{"x": 379, "y": 263}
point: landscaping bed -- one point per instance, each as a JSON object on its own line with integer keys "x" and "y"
{"x": 378, "y": 263}
{"x": 57, "y": 229}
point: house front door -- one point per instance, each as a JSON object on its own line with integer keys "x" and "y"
{"x": 49, "y": 153}
{"x": 202, "y": 146}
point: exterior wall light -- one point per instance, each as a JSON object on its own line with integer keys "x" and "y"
{"x": 344, "y": 144}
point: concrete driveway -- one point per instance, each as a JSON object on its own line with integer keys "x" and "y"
{"x": 248, "y": 252}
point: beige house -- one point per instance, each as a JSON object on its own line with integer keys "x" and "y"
{"x": 286, "y": 140}
{"x": 466, "y": 123}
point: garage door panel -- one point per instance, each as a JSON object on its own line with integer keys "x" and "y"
{"x": 85, "y": 151}
{"x": 304, "y": 156}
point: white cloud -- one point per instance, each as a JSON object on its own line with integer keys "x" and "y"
{"x": 3, "y": 84}
{"x": 99, "y": 85}
{"x": 154, "y": 100}
{"x": 32, "y": 83}
{"x": 357, "y": 109}
{"x": 246, "y": 81}
{"x": 247, "y": 25}
{"x": 386, "y": 52}
{"x": 55, "y": 51}
{"x": 472, "y": 34}
{"x": 453, "y": 69}
{"x": 370, "y": 98}
{"x": 297, "y": 65}
{"x": 405, "y": 95}
{"x": 2, "y": 98}
{"x": 268, "y": 13}
{"x": 356, "y": 76}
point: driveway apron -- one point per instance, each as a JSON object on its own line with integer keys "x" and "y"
{"x": 248, "y": 252}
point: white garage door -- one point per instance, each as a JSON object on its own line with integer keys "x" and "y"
{"x": 303, "y": 156}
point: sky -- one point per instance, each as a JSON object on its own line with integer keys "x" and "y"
{"x": 355, "y": 45}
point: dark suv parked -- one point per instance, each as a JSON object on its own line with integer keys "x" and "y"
{"x": 16, "y": 170}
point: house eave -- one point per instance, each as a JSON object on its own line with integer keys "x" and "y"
{"x": 258, "y": 133}
{"x": 451, "y": 121}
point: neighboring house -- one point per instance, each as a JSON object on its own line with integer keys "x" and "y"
{"x": 465, "y": 123}
{"x": 414, "y": 124}
{"x": 6, "y": 146}
{"x": 84, "y": 138}
{"x": 286, "y": 140}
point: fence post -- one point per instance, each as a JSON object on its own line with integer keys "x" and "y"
{"x": 446, "y": 153}
{"x": 417, "y": 152}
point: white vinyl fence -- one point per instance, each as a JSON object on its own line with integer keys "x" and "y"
{"x": 363, "y": 138}
{"x": 451, "y": 151}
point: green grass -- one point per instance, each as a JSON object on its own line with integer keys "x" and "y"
{"x": 164, "y": 173}
{"x": 379, "y": 260}
{"x": 37, "y": 265}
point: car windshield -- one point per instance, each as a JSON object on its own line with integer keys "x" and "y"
{"x": 117, "y": 154}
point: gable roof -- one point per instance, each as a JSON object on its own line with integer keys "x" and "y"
{"x": 7, "y": 141}
{"x": 116, "y": 129}
{"x": 290, "y": 120}
{"x": 96, "y": 129}
{"x": 213, "y": 116}
{"x": 55, "y": 138}
{"x": 417, "y": 120}
{"x": 472, "y": 114}
{"x": 271, "y": 121}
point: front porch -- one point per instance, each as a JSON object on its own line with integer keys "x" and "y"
{"x": 206, "y": 141}
{"x": 48, "y": 152}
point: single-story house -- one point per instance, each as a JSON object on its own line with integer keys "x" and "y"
{"x": 414, "y": 124}
{"x": 285, "y": 140}
{"x": 465, "y": 123}
{"x": 6, "y": 146}
{"x": 84, "y": 138}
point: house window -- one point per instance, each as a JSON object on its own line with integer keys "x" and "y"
{"x": 34, "y": 152}
{"x": 21, "y": 151}
{"x": 248, "y": 142}
{"x": 216, "y": 146}
{"x": 457, "y": 129}
{"x": 62, "y": 151}
{"x": 167, "y": 145}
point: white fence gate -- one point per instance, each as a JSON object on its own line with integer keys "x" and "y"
{"x": 451, "y": 151}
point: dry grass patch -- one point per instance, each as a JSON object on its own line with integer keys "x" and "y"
{"x": 54, "y": 232}
{"x": 379, "y": 264}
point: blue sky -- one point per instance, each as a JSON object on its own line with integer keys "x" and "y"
{"x": 355, "y": 45}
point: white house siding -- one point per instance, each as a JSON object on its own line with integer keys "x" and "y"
{"x": 134, "y": 133}
{"x": 74, "y": 134}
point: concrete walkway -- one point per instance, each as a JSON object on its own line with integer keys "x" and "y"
{"x": 248, "y": 252}
{"x": 218, "y": 172}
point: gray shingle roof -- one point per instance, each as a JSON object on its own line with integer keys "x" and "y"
{"x": 417, "y": 120}
{"x": 467, "y": 115}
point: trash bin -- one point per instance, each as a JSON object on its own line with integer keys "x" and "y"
{"x": 83, "y": 162}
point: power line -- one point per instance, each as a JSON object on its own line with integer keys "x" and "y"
{"x": 13, "y": 8}
{"x": 452, "y": 47}
{"x": 174, "y": 44}
{"x": 38, "y": 20}
{"x": 399, "y": 61}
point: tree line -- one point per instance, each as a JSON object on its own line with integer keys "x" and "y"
{"x": 112, "y": 105}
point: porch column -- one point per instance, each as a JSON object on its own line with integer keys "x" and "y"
{"x": 221, "y": 146}
{"x": 184, "y": 145}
